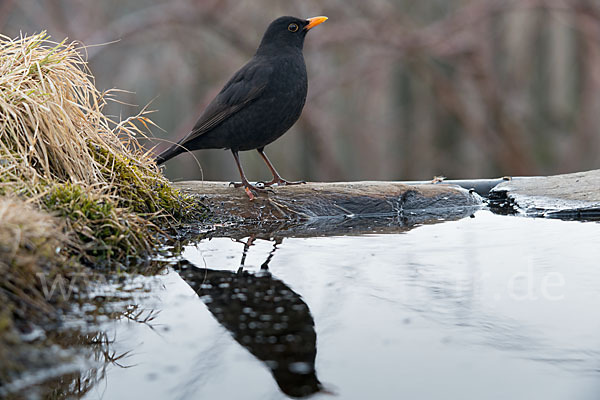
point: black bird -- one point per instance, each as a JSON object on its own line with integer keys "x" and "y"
{"x": 259, "y": 103}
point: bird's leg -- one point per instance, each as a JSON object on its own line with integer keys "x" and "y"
{"x": 277, "y": 179}
{"x": 248, "y": 188}
{"x": 247, "y": 245}
{"x": 265, "y": 265}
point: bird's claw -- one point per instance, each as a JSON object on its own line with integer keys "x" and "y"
{"x": 282, "y": 182}
{"x": 295, "y": 183}
{"x": 258, "y": 186}
{"x": 263, "y": 188}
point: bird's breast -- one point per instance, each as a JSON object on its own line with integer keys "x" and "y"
{"x": 275, "y": 111}
{"x": 289, "y": 81}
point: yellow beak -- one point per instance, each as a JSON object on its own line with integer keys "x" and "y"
{"x": 314, "y": 21}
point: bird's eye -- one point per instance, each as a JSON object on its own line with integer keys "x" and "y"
{"x": 293, "y": 27}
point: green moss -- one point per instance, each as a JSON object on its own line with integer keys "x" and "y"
{"x": 104, "y": 230}
{"x": 140, "y": 188}
{"x": 74, "y": 203}
{"x": 141, "y": 203}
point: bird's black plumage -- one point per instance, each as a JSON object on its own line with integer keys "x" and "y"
{"x": 260, "y": 102}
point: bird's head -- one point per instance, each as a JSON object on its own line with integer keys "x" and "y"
{"x": 287, "y": 32}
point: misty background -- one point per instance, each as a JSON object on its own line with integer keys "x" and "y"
{"x": 398, "y": 89}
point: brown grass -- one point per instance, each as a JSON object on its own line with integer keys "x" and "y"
{"x": 59, "y": 150}
{"x": 76, "y": 188}
{"x": 30, "y": 242}
{"x": 29, "y": 239}
{"x": 51, "y": 113}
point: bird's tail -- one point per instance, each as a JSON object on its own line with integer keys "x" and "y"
{"x": 169, "y": 153}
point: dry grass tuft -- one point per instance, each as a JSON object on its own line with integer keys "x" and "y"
{"x": 29, "y": 239}
{"x": 61, "y": 151}
{"x": 76, "y": 188}
{"x": 51, "y": 113}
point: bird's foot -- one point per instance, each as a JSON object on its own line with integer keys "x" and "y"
{"x": 258, "y": 186}
{"x": 281, "y": 182}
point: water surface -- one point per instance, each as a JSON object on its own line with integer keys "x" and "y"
{"x": 490, "y": 307}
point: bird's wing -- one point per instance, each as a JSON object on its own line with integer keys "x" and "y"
{"x": 245, "y": 86}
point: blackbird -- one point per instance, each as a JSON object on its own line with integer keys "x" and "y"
{"x": 259, "y": 103}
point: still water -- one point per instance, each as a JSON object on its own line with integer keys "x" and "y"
{"x": 490, "y": 307}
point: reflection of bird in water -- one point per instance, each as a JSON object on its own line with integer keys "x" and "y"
{"x": 266, "y": 317}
